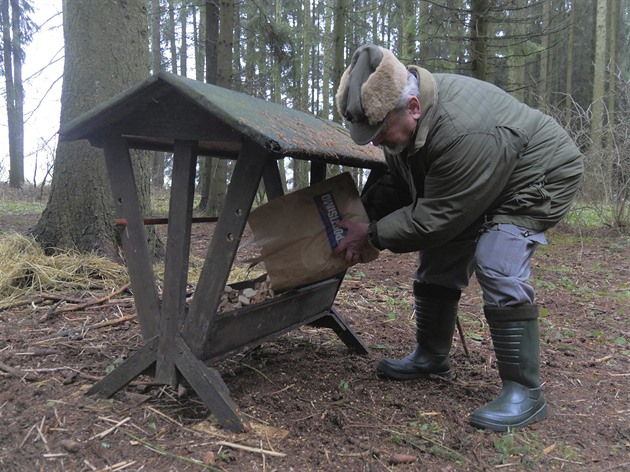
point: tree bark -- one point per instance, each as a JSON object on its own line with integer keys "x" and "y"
{"x": 211, "y": 42}
{"x": 10, "y": 14}
{"x": 543, "y": 79}
{"x": 218, "y": 182}
{"x": 568, "y": 98}
{"x": 478, "y": 38}
{"x": 183, "y": 50}
{"x": 339, "y": 33}
{"x": 598, "y": 167}
{"x": 106, "y": 50}
{"x": 157, "y": 172}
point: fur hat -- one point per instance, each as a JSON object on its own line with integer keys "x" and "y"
{"x": 369, "y": 89}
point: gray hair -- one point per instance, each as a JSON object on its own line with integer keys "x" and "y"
{"x": 412, "y": 89}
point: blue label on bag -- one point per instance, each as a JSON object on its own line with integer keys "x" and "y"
{"x": 329, "y": 214}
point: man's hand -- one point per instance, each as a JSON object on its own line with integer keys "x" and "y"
{"x": 356, "y": 244}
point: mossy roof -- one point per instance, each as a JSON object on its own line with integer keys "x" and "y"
{"x": 222, "y": 113}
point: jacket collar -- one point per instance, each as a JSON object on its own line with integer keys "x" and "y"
{"x": 428, "y": 102}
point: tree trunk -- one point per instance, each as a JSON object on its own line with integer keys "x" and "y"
{"x": 568, "y": 98}
{"x": 157, "y": 172}
{"x": 599, "y": 79}
{"x": 339, "y": 33}
{"x": 211, "y": 41}
{"x": 183, "y": 50}
{"x": 171, "y": 36}
{"x": 409, "y": 31}
{"x": 218, "y": 182}
{"x": 200, "y": 42}
{"x": 599, "y": 158}
{"x": 543, "y": 83}
{"x": 478, "y": 38}
{"x": 614, "y": 14}
{"x": 12, "y": 60}
{"x": 105, "y": 53}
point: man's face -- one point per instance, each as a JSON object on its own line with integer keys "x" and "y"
{"x": 400, "y": 125}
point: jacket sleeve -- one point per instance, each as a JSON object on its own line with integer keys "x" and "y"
{"x": 389, "y": 193}
{"x": 464, "y": 179}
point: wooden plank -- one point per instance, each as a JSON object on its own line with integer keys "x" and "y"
{"x": 227, "y": 235}
{"x": 133, "y": 237}
{"x": 318, "y": 172}
{"x": 249, "y": 327}
{"x": 211, "y": 389}
{"x": 164, "y": 221}
{"x": 127, "y": 371}
{"x": 272, "y": 180}
{"x": 177, "y": 255}
{"x": 337, "y": 323}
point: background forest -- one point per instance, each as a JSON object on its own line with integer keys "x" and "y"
{"x": 568, "y": 58}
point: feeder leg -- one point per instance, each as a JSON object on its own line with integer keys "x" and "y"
{"x": 127, "y": 371}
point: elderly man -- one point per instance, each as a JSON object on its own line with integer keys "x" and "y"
{"x": 474, "y": 179}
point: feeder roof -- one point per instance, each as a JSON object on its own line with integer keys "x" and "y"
{"x": 165, "y": 107}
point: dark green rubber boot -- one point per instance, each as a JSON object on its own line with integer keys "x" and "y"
{"x": 521, "y": 401}
{"x": 436, "y": 313}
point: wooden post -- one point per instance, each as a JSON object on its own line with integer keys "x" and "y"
{"x": 177, "y": 256}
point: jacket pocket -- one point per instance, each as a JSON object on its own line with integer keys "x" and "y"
{"x": 533, "y": 200}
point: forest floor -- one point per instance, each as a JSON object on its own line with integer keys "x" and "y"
{"x": 313, "y": 404}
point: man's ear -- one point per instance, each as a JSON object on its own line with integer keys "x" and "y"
{"x": 413, "y": 105}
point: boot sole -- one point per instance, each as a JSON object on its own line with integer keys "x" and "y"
{"x": 502, "y": 427}
{"x": 384, "y": 371}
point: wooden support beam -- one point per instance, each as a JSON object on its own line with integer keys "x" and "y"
{"x": 127, "y": 371}
{"x": 133, "y": 237}
{"x": 177, "y": 256}
{"x": 210, "y": 387}
{"x": 240, "y": 196}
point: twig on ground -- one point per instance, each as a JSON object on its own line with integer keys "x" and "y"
{"x": 462, "y": 337}
{"x": 51, "y": 311}
{"x": 62, "y": 298}
{"x": 54, "y": 369}
{"x": 38, "y": 352}
{"x": 40, "y": 433}
{"x": 22, "y": 374}
{"x": 257, "y": 450}
{"x": 604, "y": 359}
{"x": 81, "y": 306}
{"x": 18, "y": 303}
{"x": 71, "y": 331}
{"x": 164, "y": 415}
{"x": 158, "y": 450}
{"x": 116, "y": 467}
{"x": 113, "y": 428}
{"x": 28, "y": 433}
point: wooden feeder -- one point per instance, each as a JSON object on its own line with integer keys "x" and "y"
{"x": 190, "y": 118}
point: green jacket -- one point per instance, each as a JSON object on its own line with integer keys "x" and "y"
{"x": 478, "y": 153}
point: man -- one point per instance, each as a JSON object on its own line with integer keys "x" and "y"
{"x": 474, "y": 179}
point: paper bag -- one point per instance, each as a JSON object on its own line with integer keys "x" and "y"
{"x": 296, "y": 232}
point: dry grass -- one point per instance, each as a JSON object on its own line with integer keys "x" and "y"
{"x": 25, "y": 270}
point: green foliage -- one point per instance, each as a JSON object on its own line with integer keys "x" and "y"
{"x": 344, "y": 386}
{"x": 427, "y": 436}
{"x": 20, "y": 201}
{"x": 507, "y": 446}
{"x": 116, "y": 362}
{"x": 21, "y": 207}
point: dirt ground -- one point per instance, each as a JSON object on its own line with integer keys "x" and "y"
{"x": 314, "y": 405}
